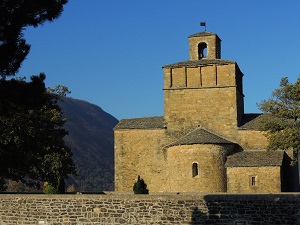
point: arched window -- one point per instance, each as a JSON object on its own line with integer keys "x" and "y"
{"x": 202, "y": 50}
{"x": 195, "y": 169}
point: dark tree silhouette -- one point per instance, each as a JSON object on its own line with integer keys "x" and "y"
{"x": 140, "y": 187}
{"x": 31, "y": 132}
{"x": 15, "y": 17}
{"x": 31, "y": 126}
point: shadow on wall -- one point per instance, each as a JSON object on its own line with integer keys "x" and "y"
{"x": 249, "y": 209}
{"x": 198, "y": 217}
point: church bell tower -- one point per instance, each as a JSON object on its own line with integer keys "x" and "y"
{"x": 205, "y": 91}
{"x": 205, "y": 45}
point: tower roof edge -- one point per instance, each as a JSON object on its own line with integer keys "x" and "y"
{"x": 202, "y": 34}
{"x": 201, "y": 62}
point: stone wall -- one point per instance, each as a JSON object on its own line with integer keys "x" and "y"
{"x": 139, "y": 152}
{"x": 266, "y": 179}
{"x": 206, "y": 96}
{"x": 252, "y": 139}
{"x": 211, "y": 166}
{"x": 149, "y": 209}
{"x": 185, "y": 109}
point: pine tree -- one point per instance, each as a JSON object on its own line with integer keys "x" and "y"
{"x": 140, "y": 187}
{"x": 31, "y": 122}
{"x": 15, "y": 17}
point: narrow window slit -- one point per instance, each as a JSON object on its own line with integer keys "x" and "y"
{"x": 195, "y": 171}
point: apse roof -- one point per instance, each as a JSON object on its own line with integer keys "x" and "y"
{"x": 200, "y": 136}
{"x": 255, "y": 158}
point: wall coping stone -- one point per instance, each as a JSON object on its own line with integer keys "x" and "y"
{"x": 131, "y": 196}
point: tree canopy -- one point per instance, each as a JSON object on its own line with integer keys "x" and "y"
{"x": 31, "y": 137}
{"x": 31, "y": 123}
{"x": 282, "y": 120}
{"x": 15, "y": 17}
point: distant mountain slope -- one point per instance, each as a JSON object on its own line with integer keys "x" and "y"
{"x": 91, "y": 141}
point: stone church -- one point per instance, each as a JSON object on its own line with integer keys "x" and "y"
{"x": 205, "y": 142}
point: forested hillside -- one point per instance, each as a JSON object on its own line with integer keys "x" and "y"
{"x": 91, "y": 141}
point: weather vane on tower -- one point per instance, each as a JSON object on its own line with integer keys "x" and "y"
{"x": 203, "y": 24}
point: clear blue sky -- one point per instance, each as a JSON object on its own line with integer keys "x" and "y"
{"x": 110, "y": 52}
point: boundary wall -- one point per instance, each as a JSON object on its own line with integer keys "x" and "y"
{"x": 118, "y": 208}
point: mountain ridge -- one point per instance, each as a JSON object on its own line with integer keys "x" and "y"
{"x": 91, "y": 140}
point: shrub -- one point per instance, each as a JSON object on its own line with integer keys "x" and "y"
{"x": 59, "y": 188}
{"x": 71, "y": 189}
{"x": 49, "y": 189}
{"x": 140, "y": 187}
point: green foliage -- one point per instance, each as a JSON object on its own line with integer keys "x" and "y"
{"x": 282, "y": 117}
{"x": 31, "y": 125}
{"x": 140, "y": 187}
{"x": 58, "y": 188}
{"x": 59, "y": 91}
{"x": 15, "y": 17}
{"x": 31, "y": 137}
{"x": 49, "y": 189}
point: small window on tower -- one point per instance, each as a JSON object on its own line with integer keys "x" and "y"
{"x": 195, "y": 169}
